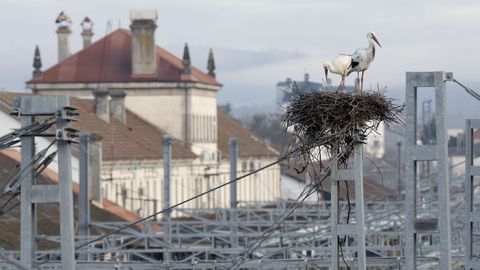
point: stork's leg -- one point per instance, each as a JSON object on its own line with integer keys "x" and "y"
{"x": 357, "y": 81}
{"x": 342, "y": 83}
{"x": 361, "y": 87}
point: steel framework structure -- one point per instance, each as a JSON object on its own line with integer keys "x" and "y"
{"x": 213, "y": 238}
{"x": 416, "y": 153}
{"x": 472, "y": 216}
{"x": 353, "y": 174}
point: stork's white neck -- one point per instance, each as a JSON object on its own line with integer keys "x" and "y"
{"x": 371, "y": 44}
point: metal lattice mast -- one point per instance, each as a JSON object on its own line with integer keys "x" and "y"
{"x": 32, "y": 193}
{"x": 416, "y": 153}
{"x": 471, "y": 216}
{"x": 357, "y": 229}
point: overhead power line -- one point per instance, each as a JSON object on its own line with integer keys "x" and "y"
{"x": 468, "y": 90}
{"x": 185, "y": 201}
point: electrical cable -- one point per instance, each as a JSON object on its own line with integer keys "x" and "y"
{"x": 468, "y": 90}
{"x": 308, "y": 190}
{"x": 185, "y": 201}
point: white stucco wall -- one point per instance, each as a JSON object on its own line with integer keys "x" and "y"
{"x": 143, "y": 183}
{"x": 164, "y": 111}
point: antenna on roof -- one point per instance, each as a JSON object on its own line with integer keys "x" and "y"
{"x": 108, "y": 30}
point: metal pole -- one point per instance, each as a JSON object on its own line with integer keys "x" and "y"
{"x": 233, "y": 192}
{"x": 66, "y": 197}
{"x": 420, "y": 153}
{"x": 442, "y": 171}
{"x": 399, "y": 187}
{"x": 27, "y": 208}
{"x": 167, "y": 156}
{"x": 359, "y": 204}
{"x": 471, "y": 216}
{"x": 334, "y": 214}
{"x": 84, "y": 201}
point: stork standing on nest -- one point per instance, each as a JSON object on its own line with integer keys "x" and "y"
{"x": 362, "y": 57}
{"x": 340, "y": 65}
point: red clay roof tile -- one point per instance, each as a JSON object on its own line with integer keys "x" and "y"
{"x": 109, "y": 60}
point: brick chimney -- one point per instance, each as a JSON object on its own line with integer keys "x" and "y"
{"x": 63, "y": 33}
{"x": 117, "y": 105}
{"x": 143, "y": 25}
{"x": 102, "y": 106}
{"x": 87, "y": 32}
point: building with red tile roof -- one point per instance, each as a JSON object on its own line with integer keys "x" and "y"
{"x": 131, "y": 92}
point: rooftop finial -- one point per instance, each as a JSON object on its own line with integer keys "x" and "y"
{"x": 87, "y": 32}
{"x": 186, "y": 61}
{"x": 211, "y": 64}
{"x": 37, "y": 63}
{"x": 87, "y": 24}
{"x": 63, "y": 20}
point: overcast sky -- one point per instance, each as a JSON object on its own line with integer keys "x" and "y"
{"x": 260, "y": 42}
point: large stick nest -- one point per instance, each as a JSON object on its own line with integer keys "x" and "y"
{"x": 334, "y": 120}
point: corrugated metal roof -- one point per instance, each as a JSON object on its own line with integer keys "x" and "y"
{"x": 109, "y": 60}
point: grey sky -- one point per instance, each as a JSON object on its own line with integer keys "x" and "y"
{"x": 269, "y": 39}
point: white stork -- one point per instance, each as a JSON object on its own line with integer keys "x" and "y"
{"x": 340, "y": 65}
{"x": 362, "y": 58}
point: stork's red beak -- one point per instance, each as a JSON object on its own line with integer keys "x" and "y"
{"x": 326, "y": 73}
{"x": 376, "y": 40}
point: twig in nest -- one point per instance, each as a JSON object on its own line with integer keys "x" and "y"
{"x": 332, "y": 120}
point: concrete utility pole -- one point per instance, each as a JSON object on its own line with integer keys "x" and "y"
{"x": 31, "y": 193}
{"x": 421, "y": 153}
{"x": 233, "y": 192}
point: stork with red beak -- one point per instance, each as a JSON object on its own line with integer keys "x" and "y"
{"x": 362, "y": 58}
{"x": 340, "y": 65}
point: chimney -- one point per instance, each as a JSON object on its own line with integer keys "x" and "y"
{"x": 95, "y": 167}
{"x": 144, "y": 60}
{"x": 87, "y": 32}
{"x": 63, "y": 33}
{"x": 37, "y": 64}
{"x": 117, "y": 105}
{"x": 211, "y": 64}
{"x": 307, "y": 77}
{"x": 102, "y": 107}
